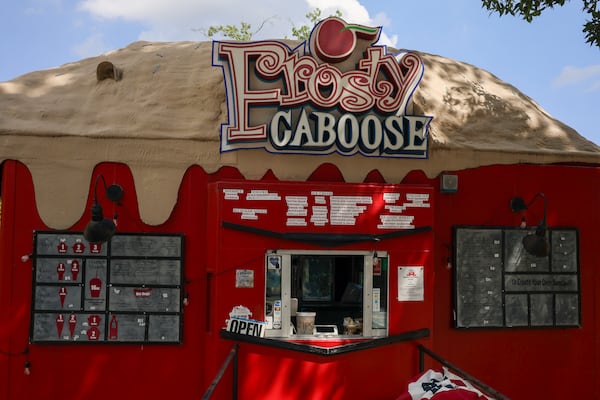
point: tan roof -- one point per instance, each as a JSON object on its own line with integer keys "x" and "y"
{"x": 165, "y": 112}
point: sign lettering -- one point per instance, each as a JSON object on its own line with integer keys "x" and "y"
{"x": 246, "y": 327}
{"x": 336, "y": 93}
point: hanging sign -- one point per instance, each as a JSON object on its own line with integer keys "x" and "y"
{"x": 239, "y": 322}
{"x": 246, "y": 327}
{"x": 335, "y": 93}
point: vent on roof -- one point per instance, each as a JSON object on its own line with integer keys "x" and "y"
{"x": 106, "y": 70}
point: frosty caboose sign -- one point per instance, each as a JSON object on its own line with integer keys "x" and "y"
{"x": 337, "y": 92}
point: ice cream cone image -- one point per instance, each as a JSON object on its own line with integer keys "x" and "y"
{"x": 62, "y": 293}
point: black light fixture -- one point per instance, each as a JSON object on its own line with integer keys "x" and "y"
{"x": 27, "y": 365}
{"x": 100, "y": 229}
{"x": 534, "y": 243}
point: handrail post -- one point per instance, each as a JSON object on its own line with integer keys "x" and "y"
{"x": 232, "y": 356}
{"x": 234, "y": 395}
{"x": 466, "y": 376}
{"x": 421, "y": 359}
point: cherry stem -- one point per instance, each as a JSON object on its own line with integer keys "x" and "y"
{"x": 360, "y": 28}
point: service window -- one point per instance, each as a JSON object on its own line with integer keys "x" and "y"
{"x": 326, "y": 294}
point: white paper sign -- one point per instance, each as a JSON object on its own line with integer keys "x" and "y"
{"x": 410, "y": 284}
{"x": 244, "y": 278}
{"x": 376, "y": 299}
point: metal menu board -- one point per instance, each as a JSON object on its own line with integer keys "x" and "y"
{"x": 126, "y": 290}
{"x": 499, "y": 285}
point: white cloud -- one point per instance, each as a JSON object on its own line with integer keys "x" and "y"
{"x": 353, "y": 11}
{"x": 171, "y": 20}
{"x": 141, "y": 10}
{"x": 180, "y": 19}
{"x": 571, "y": 75}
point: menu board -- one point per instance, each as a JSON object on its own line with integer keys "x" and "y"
{"x": 499, "y": 285}
{"x": 126, "y": 290}
{"x": 319, "y": 207}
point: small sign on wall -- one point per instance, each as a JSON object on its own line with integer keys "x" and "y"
{"x": 244, "y": 278}
{"x": 410, "y": 283}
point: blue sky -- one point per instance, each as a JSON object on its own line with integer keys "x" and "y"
{"x": 547, "y": 59}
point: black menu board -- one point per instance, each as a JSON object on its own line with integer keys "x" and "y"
{"x": 126, "y": 290}
{"x": 500, "y": 285}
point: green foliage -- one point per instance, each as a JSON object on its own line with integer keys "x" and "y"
{"x": 234, "y": 32}
{"x": 591, "y": 28}
{"x": 529, "y": 9}
{"x": 303, "y": 32}
{"x": 243, "y": 32}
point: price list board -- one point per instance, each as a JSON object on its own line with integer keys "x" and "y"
{"x": 497, "y": 284}
{"x": 126, "y": 290}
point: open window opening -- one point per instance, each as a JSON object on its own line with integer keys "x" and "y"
{"x": 328, "y": 294}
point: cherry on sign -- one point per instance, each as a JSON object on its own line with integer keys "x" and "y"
{"x": 334, "y": 40}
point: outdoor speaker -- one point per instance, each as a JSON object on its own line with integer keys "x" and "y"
{"x": 449, "y": 183}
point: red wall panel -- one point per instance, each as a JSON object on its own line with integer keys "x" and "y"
{"x": 522, "y": 363}
{"x": 516, "y": 361}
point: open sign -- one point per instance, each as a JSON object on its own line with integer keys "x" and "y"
{"x": 246, "y": 327}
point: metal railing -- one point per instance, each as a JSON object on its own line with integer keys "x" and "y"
{"x": 326, "y": 351}
{"x": 303, "y": 348}
{"x": 487, "y": 390}
{"x": 233, "y": 355}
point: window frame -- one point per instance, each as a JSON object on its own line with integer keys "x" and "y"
{"x": 286, "y": 331}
